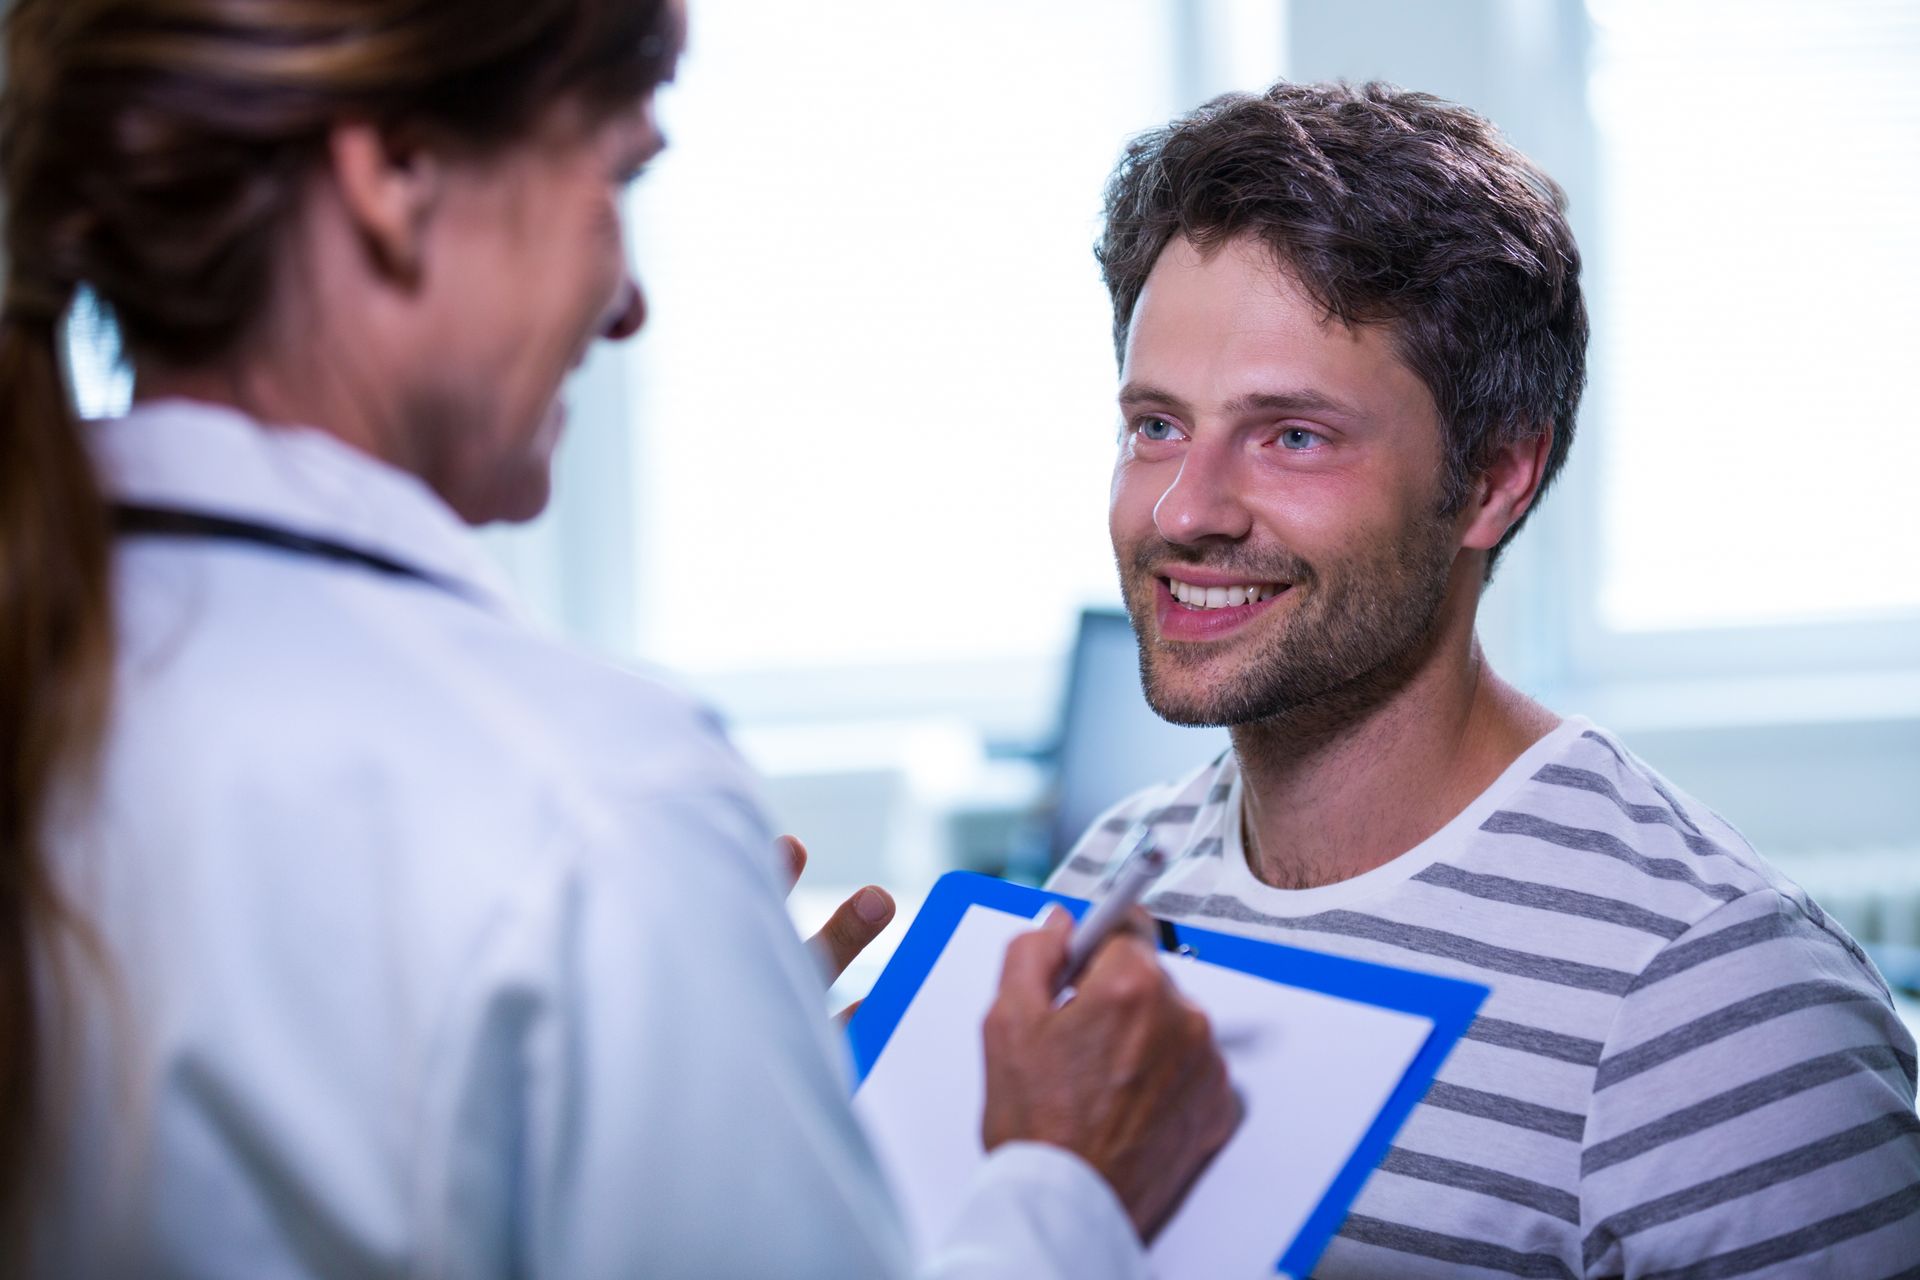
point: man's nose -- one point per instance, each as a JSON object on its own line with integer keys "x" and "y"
{"x": 629, "y": 312}
{"x": 1203, "y": 502}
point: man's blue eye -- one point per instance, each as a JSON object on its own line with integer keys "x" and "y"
{"x": 1297, "y": 438}
{"x": 1156, "y": 429}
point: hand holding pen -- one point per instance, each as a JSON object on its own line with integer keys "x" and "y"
{"x": 1126, "y": 1074}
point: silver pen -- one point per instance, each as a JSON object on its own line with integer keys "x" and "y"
{"x": 1139, "y": 868}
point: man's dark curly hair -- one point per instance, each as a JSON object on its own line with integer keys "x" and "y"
{"x": 1391, "y": 208}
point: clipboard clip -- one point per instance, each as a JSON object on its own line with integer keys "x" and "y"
{"x": 1170, "y": 939}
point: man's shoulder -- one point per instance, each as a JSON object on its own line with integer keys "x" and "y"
{"x": 1593, "y": 773}
{"x": 1628, "y": 833}
{"x": 1180, "y": 811}
{"x": 1608, "y": 817}
{"x": 1761, "y": 1029}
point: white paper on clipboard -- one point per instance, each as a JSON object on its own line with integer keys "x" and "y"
{"x": 1313, "y": 1071}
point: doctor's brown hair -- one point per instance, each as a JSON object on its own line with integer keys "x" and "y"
{"x": 154, "y": 152}
{"x": 1392, "y": 208}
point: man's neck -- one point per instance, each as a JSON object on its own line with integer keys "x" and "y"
{"x": 1324, "y": 804}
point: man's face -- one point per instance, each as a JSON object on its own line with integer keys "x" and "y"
{"x": 1276, "y": 511}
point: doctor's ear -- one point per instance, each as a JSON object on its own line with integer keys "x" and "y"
{"x": 1505, "y": 488}
{"x": 389, "y": 186}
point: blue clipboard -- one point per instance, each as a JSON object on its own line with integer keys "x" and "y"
{"x": 1449, "y": 1002}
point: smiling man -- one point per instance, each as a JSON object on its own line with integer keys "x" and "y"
{"x": 1352, "y": 347}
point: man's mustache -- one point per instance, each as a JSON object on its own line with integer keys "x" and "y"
{"x": 1274, "y": 565}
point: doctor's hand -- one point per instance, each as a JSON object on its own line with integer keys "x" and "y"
{"x": 854, "y": 923}
{"x": 1125, "y": 1074}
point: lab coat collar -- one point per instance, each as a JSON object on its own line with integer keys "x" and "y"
{"x": 211, "y": 458}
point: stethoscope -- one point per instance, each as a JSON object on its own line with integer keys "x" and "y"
{"x": 136, "y": 520}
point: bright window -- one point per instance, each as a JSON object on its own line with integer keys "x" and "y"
{"x": 875, "y": 403}
{"x": 1760, "y": 190}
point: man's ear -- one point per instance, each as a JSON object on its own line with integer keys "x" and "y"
{"x": 389, "y": 189}
{"x": 1504, "y": 489}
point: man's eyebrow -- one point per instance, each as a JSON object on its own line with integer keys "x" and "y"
{"x": 1146, "y": 395}
{"x": 1143, "y": 394}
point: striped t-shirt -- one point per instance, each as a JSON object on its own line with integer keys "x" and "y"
{"x": 1685, "y": 1069}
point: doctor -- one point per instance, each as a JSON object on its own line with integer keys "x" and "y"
{"x": 347, "y": 925}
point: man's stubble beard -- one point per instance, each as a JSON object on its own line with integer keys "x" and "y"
{"x": 1361, "y": 633}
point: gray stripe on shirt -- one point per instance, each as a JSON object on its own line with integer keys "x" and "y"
{"x": 1645, "y": 775}
{"x": 1453, "y": 1250}
{"x": 1722, "y": 1107}
{"x": 1546, "y": 897}
{"x": 1744, "y": 1182}
{"x": 1551, "y": 1201}
{"x": 1560, "y": 775}
{"x": 1484, "y": 955}
{"x": 1081, "y": 864}
{"x": 1798, "y": 1244}
{"x": 1506, "y": 822}
{"x": 1720, "y": 1024}
{"x": 1535, "y": 1040}
{"x": 1737, "y": 937}
{"x": 1504, "y": 1110}
{"x": 1407, "y": 937}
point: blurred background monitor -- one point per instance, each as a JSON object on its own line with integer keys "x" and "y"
{"x": 1111, "y": 742}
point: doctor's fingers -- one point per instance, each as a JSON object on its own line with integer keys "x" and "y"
{"x": 855, "y": 923}
{"x": 1035, "y": 961}
{"x": 1126, "y": 998}
{"x": 1125, "y": 969}
{"x": 1033, "y": 964}
{"x": 1158, "y": 1046}
{"x": 791, "y": 857}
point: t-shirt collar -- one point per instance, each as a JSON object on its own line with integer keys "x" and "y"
{"x": 1237, "y": 878}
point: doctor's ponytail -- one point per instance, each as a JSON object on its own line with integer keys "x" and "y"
{"x": 55, "y": 665}
{"x": 55, "y": 642}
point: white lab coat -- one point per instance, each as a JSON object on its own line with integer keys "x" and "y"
{"x": 436, "y": 948}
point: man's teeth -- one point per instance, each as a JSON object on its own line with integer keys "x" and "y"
{"x": 1196, "y": 597}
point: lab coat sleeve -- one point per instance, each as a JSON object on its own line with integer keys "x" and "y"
{"x": 702, "y": 1126}
{"x": 1036, "y": 1210}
